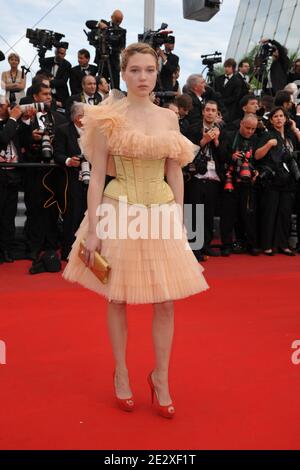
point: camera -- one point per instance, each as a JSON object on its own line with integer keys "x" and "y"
{"x": 241, "y": 169}
{"x": 157, "y": 38}
{"x": 44, "y": 40}
{"x": 211, "y": 59}
{"x": 104, "y": 40}
{"x": 48, "y": 134}
{"x": 264, "y": 53}
{"x": 85, "y": 170}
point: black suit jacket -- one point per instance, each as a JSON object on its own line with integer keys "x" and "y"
{"x": 9, "y": 132}
{"x": 76, "y": 76}
{"x": 166, "y": 74}
{"x": 230, "y": 95}
{"x": 32, "y": 148}
{"x": 66, "y": 144}
{"x": 59, "y": 83}
{"x": 80, "y": 98}
{"x": 245, "y": 87}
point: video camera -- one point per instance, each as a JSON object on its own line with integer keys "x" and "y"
{"x": 211, "y": 59}
{"x": 156, "y": 38}
{"x": 104, "y": 40}
{"x": 44, "y": 40}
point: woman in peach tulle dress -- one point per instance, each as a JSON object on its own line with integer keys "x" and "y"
{"x": 139, "y": 143}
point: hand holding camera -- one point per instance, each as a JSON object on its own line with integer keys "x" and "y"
{"x": 237, "y": 156}
{"x": 16, "y": 112}
{"x": 37, "y": 135}
{"x": 74, "y": 161}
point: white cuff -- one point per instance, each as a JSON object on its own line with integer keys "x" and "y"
{"x": 67, "y": 161}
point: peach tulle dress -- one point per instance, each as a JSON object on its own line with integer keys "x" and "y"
{"x": 144, "y": 269}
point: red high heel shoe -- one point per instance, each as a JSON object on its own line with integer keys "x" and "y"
{"x": 166, "y": 411}
{"x": 125, "y": 404}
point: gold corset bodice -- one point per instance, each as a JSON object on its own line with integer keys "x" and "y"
{"x": 141, "y": 181}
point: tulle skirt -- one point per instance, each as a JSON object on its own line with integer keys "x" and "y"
{"x": 157, "y": 266}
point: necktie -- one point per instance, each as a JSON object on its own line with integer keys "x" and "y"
{"x": 91, "y": 100}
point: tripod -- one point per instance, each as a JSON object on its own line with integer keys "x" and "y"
{"x": 210, "y": 76}
{"x": 103, "y": 58}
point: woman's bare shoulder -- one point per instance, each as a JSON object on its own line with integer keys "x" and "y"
{"x": 168, "y": 117}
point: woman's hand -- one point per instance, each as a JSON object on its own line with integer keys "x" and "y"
{"x": 272, "y": 142}
{"x": 92, "y": 244}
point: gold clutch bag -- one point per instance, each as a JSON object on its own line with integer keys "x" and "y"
{"x": 101, "y": 267}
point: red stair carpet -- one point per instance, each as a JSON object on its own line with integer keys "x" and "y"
{"x": 232, "y": 375}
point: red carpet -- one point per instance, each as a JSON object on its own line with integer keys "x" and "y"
{"x": 232, "y": 377}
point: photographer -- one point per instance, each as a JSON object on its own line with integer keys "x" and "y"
{"x": 203, "y": 186}
{"x": 39, "y": 132}
{"x": 67, "y": 152}
{"x": 169, "y": 64}
{"x": 80, "y": 71}
{"x": 239, "y": 193}
{"x": 200, "y": 93}
{"x": 59, "y": 69}
{"x": 116, "y": 37}
{"x": 278, "y": 75}
{"x": 89, "y": 95}
{"x": 10, "y": 178}
{"x": 279, "y": 173}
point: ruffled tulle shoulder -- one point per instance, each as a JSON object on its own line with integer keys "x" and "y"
{"x": 99, "y": 122}
{"x": 108, "y": 121}
{"x": 168, "y": 144}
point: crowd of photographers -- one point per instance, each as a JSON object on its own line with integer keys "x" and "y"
{"x": 246, "y": 148}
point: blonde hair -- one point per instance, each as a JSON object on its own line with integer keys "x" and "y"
{"x": 137, "y": 48}
{"x": 14, "y": 55}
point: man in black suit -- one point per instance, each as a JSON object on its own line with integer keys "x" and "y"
{"x": 41, "y": 225}
{"x": 67, "y": 152}
{"x": 59, "y": 68}
{"x": 170, "y": 63}
{"x": 84, "y": 68}
{"x": 242, "y": 75}
{"x": 117, "y": 40}
{"x": 229, "y": 86}
{"x": 89, "y": 95}
{"x": 10, "y": 178}
{"x": 200, "y": 93}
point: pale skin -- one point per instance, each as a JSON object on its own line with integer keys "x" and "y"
{"x": 140, "y": 76}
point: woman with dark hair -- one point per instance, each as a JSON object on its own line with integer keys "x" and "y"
{"x": 278, "y": 175}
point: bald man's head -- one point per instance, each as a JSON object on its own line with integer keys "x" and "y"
{"x": 248, "y": 125}
{"x": 117, "y": 17}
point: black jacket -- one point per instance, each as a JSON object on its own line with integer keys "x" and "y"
{"x": 32, "y": 148}
{"x": 9, "y": 133}
{"x": 66, "y": 144}
{"x": 195, "y": 118}
{"x": 76, "y": 76}
{"x": 166, "y": 74}
{"x": 80, "y": 98}
{"x": 59, "y": 83}
{"x": 279, "y": 68}
{"x": 230, "y": 95}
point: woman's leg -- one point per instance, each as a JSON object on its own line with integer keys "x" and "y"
{"x": 162, "y": 330}
{"x": 118, "y": 329}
